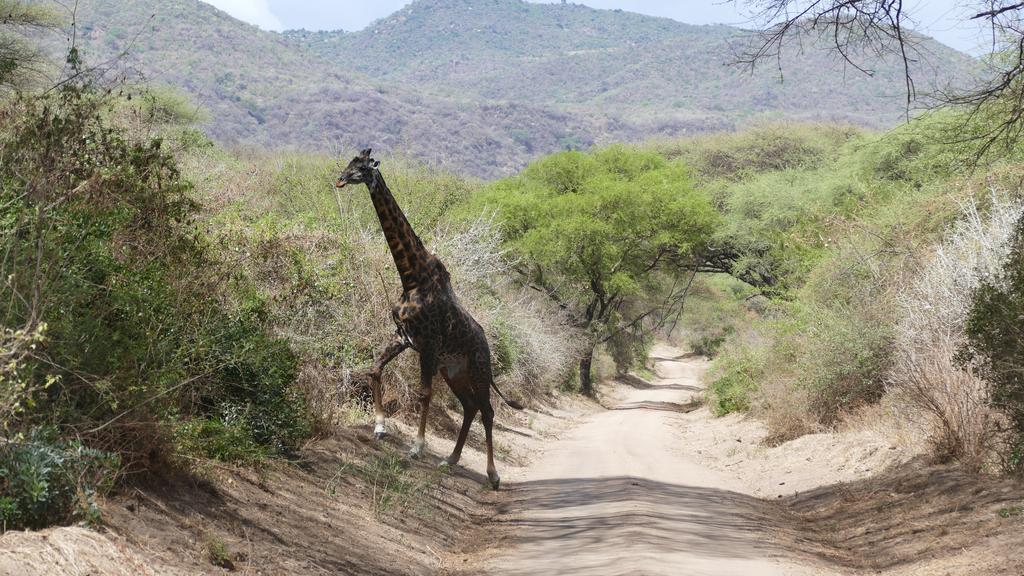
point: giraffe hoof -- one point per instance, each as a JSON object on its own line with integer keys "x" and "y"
{"x": 380, "y": 435}
{"x": 378, "y": 431}
{"x": 493, "y": 481}
{"x": 444, "y": 466}
{"x": 416, "y": 451}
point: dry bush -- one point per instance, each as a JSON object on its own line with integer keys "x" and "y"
{"x": 527, "y": 338}
{"x": 947, "y": 402}
{"x": 787, "y": 410}
{"x": 531, "y": 340}
{"x": 323, "y": 264}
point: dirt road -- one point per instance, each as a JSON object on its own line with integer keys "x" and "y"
{"x": 618, "y": 494}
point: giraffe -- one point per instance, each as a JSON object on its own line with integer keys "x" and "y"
{"x": 430, "y": 320}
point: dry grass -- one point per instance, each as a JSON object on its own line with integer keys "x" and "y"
{"x": 786, "y": 409}
{"x": 321, "y": 262}
{"x": 948, "y": 402}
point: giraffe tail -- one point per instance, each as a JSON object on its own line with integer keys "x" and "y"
{"x": 511, "y": 403}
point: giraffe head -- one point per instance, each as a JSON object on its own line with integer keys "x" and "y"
{"x": 359, "y": 170}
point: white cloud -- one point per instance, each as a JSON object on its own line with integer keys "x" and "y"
{"x": 252, "y": 11}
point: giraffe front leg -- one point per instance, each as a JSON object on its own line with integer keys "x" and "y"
{"x": 428, "y": 367}
{"x": 379, "y": 430}
{"x": 394, "y": 347}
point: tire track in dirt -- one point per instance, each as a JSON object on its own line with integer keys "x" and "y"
{"x": 618, "y": 495}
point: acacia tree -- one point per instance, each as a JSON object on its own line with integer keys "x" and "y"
{"x": 603, "y": 234}
{"x": 863, "y": 31}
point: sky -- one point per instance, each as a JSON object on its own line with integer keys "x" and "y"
{"x": 945, "y": 20}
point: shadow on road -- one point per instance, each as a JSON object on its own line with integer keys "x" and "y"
{"x": 641, "y": 517}
{"x": 664, "y": 406}
{"x": 634, "y": 381}
{"x": 899, "y": 517}
{"x": 677, "y": 358}
{"x": 911, "y": 512}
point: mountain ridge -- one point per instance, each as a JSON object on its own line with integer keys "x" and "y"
{"x": 476, "y": 86}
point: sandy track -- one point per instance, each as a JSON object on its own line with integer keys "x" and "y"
{"x": 618, "y": 495}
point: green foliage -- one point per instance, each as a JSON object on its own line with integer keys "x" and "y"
{"x": 45, "y": 480}
{"x": 581, "y": 217}
{"x": 763, "y": 148}
{"x": 219, "y": 440}
{"x": 218, "y": 554}
{"x": 163, "y": 105}
{"x": 506, "y": 348}
{"x": 839, "y": 357}
{"x": 832, "y": 224}
{"x": 734, "y": 378}
{"x": 105, "y": 253}
{"x": 18, "y": 390}
{"x": 715, "y": 308}
{"x": 996, "y": 344}
{"x": 594, "y": 227}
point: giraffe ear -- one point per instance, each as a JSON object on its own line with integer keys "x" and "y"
{"x": 365, "y": 153}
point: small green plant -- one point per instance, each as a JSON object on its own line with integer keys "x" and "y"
{"x": 506, "y": 348}
{"x": 1011, "y": 511}
{"x": 395, "y": 485}
{"x": 213, "y": 438}
{"x": 218, "y": 553}
{"x": 344, "y": 468}
{"x": 734, "y": 379}
{"x": 44, "y": 480}
{"x": 645, "y": 372}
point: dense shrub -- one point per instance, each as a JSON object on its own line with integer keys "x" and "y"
{"x": 839, "y": 232}
{"x": 995, "y": 343}
{"x": 734, "y": 378}
{"x": 760, "y": 149}
{"x": 145, "y": 325}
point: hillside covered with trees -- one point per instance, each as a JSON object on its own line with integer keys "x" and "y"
{"x": 484, "y": 86}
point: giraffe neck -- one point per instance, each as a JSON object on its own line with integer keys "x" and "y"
{"x": 406, "y": 247}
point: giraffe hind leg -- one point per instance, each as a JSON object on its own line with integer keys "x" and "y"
{"x": 488, "y": 418}
{"x": 468, "y": 415}
{"x": 460, "y": 386}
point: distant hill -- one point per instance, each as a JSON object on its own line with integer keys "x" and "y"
{"x": 482, "y": 86}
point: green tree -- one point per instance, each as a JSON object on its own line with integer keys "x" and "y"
{"x": 604, "y": 234}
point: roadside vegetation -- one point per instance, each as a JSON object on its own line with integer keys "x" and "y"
{"x": 864, "y": 257}
{"x": 168, "y": 302}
